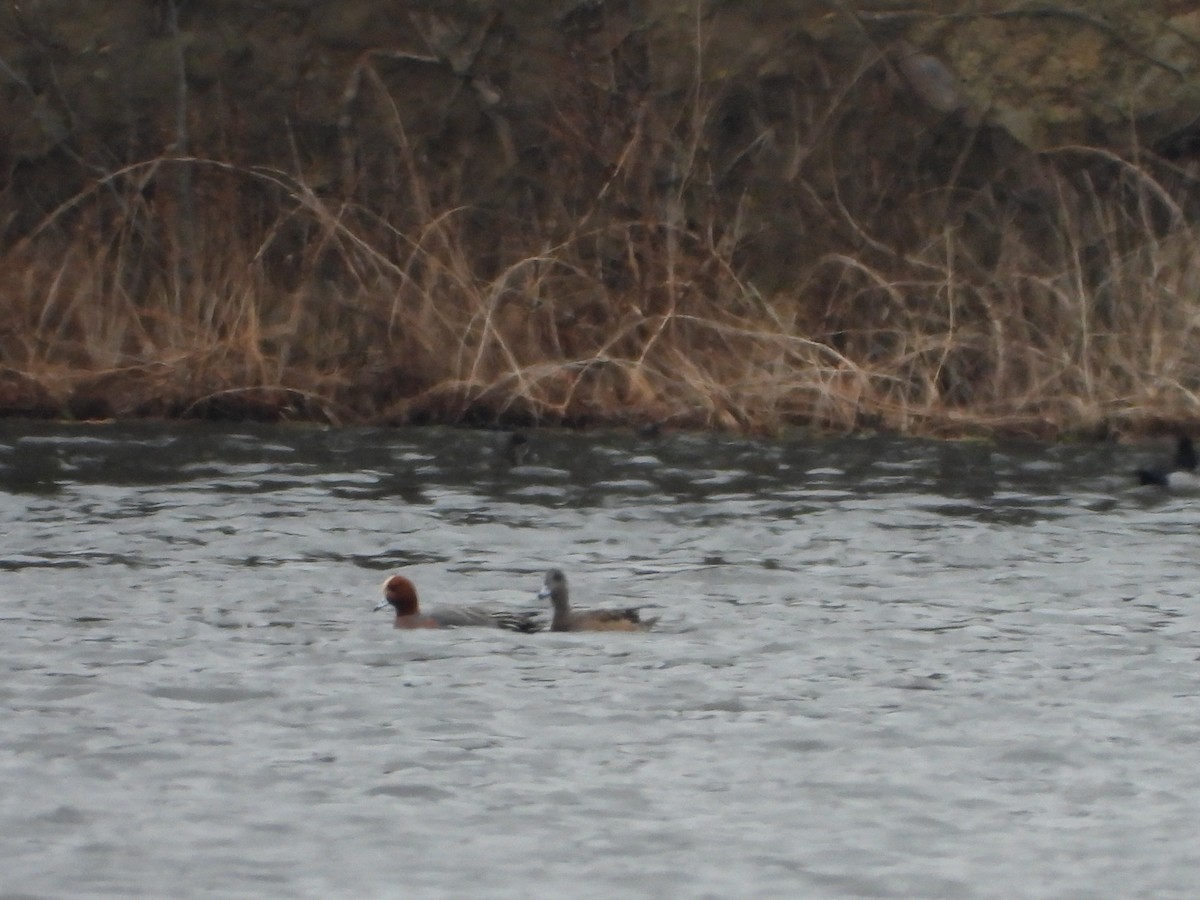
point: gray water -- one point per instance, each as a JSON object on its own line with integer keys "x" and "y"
{"x": 885, "y": 668}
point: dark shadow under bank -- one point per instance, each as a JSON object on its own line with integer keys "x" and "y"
{"x": 151, "y": 394}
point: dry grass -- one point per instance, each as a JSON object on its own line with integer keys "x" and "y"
{"x": 619, "y": 294}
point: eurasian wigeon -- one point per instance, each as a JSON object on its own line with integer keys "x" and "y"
{"x": 402, "y": 595}
{"x": 566, "y": 619}
{"x": 1180, "y": 475}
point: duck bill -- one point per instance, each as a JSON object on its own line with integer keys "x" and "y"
{"x": 381, "y": 605}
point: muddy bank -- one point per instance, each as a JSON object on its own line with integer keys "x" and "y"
{"x": 924, "y": 218}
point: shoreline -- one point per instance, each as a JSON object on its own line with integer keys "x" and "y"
{"x": 115, "y": 398}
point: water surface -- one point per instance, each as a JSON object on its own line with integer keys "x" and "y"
{"x": 885, "y": 668}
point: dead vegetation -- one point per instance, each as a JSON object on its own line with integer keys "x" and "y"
{"x": 730, "y": 259}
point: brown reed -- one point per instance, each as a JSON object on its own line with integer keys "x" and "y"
{"x": 616, "y": 294}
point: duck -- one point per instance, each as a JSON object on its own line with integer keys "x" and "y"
{"x": 1180, "y": 475}
{"x": 567, "y": 619}
{"x": 514, "y": 450}
{"x": 400, "y": 593}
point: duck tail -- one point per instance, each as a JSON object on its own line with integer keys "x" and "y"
{"x": 634, "y": 614}
{"x": 526, "y": 623}
{"x": 1149, "y": 476}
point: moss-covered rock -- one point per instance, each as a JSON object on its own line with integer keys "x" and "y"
{"x": 1048, "y": 74}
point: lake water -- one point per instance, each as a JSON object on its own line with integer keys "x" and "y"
{"x": 885, "y": 668}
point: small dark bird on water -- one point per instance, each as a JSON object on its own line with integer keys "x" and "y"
{"x": 1180, "y": 475}
{"x": 515, "y": 449}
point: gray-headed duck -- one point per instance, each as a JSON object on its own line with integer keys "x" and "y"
{"x": 401, "y": 594}
{"x": 567, "y": 619}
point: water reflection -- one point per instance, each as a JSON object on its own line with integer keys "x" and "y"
{"x": 886, "y": 667}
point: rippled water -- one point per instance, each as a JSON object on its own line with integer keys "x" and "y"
{"x": 885, "y": 669}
